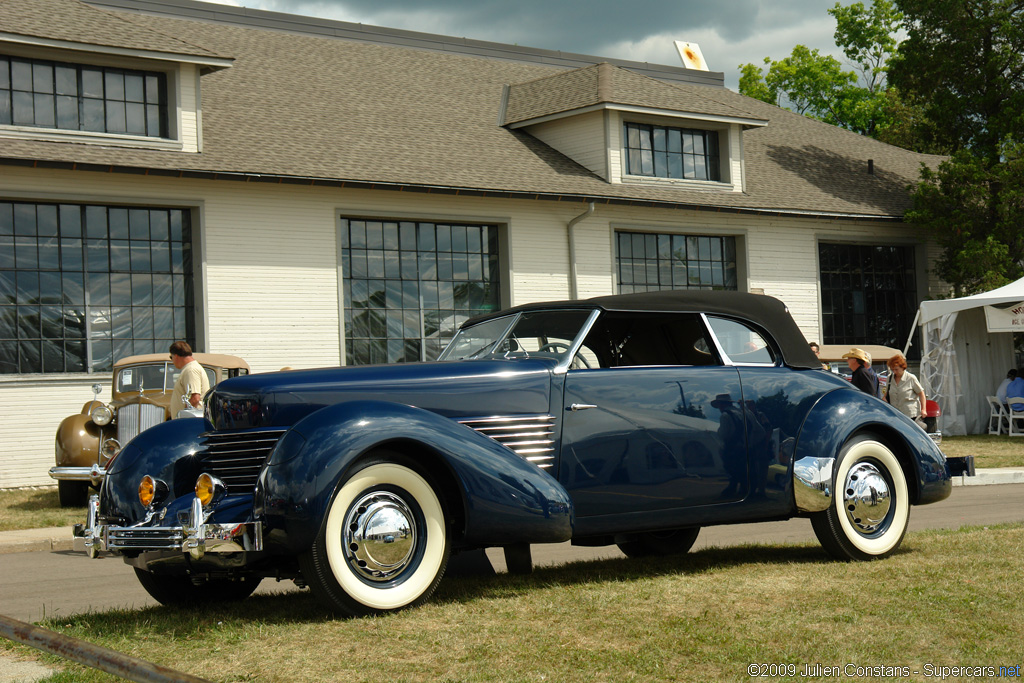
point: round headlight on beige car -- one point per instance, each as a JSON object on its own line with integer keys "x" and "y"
{"x": 102, "y": 415}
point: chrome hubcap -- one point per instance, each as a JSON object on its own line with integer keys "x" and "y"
{"x": 379, "y": 536}
{"x": 867, "y": 497}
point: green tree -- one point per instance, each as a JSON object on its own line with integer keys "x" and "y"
{"x": 963, "y": 60}
{"x": 819, "y": 86}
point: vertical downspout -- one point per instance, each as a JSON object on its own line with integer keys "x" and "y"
{"x": 573, "y": 283}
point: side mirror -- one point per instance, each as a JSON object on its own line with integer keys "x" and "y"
{"x": 97, "y": 390}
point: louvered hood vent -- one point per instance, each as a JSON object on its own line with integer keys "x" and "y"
{"x": 530, "y": 436}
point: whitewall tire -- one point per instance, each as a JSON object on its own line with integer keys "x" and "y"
{"x": 870, "y": 509}
{"x": 384, "y": 544}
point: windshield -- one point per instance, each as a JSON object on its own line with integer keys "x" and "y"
{"x": 546, "y": 334}
{"x": 153, "y": 377}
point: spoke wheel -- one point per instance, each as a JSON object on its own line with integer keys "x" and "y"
{"x": 660, "y": 543}
{"x": 179, "y": 591}
{"x": 869, "y": 513}
{"x": 384, "y": 543}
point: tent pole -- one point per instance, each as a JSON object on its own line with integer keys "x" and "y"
{"x": 913, "y": 327}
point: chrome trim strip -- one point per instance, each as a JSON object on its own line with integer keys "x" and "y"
{"x": 563, "y": 365}
{"x": 711, "y": 332}
{"x": 812, "y": 483}
{"x": 529, "y": 436}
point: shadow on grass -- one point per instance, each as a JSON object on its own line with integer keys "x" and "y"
{"x": 297, "y": 607}
{"x": 39, "y": 500}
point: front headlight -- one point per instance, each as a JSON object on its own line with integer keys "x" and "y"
{"x": 102, "y": 415}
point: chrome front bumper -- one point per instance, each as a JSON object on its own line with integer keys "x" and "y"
{"x": 195, "y": 538}
{"x": 93, "y": 474}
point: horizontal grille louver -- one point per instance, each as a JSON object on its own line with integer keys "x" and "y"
{"x": 135, "y": 418}
{"x": 530, "y": 436}
{"x": 236, "y": 458}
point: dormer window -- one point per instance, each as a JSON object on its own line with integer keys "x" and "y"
{"x": 46, "y": 94}
{"x": 665, "y": 152}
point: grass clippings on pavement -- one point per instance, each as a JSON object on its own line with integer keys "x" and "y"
{"x": 947, "y": 598}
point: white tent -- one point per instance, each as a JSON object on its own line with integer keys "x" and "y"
{"x": 968, "y": 348}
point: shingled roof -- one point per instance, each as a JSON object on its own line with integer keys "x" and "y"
{"x": 79, "y": 23}
{"x": 304, "y": 108}
{"x": 605, "y": 83}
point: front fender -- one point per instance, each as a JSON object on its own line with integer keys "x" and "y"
{"x": 504, "y": 498}
{"x": 165, "y": 452}
{"x": 836, "y": 417}
{"x": 77, "y": 442}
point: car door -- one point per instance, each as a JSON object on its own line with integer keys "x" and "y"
{"x": 656, "y": 422}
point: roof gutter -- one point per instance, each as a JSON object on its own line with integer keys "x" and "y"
{"x": 573, "y": 276}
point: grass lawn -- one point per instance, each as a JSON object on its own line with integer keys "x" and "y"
{"x": 35, "y": 508}
{"x": 989, "y": 450}
{"x": 947, "y": 598}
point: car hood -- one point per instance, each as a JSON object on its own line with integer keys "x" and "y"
{"x": 453, "y": 389}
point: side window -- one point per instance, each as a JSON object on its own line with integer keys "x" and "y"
{"x": 211, "y": 375}
{"x": 742, "y": 344}
{"x": 631, "y": 339}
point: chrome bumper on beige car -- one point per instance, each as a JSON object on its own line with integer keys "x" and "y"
{"x": 195, "y": 538}
{"x": 93, "y": 474}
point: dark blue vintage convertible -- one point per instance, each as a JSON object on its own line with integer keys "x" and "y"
{"x": 631, "y": 420}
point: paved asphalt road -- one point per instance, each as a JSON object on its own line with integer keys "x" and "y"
{"x": 42, "y": 584}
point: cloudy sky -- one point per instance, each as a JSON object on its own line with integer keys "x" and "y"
{"x": 729, "y": 32}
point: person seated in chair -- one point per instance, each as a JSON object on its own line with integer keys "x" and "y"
{"x": 1001, "y": 391}
{"x": 1016, "y": 390}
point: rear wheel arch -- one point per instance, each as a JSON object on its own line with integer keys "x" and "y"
{"x": 891, "y": 438}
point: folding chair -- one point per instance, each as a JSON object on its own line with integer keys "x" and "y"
{"x": 997, "y": 417}
{"x": 1015, "y": 416}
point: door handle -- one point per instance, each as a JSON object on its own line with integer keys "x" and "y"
{"x": 581, "y": 406}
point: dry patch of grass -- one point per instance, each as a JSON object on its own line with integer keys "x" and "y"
{"x": 947, "y": 598}
{"x": 35, "y": 508}
{"x": 989, "y": 450}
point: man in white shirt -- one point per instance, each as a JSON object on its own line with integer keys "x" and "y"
{"x": 1001, "y": 391}
{"x": 192, "y": 383}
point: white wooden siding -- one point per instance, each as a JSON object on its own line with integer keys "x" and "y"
{"x": 268, "y": 272}
{"x": 578, "y": 137}
{"x": 189, "y": 108}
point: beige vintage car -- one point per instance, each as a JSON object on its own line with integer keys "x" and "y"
{"x": 141, "y": 397}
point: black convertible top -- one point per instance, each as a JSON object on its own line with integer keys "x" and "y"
{"x": 764, "y": 311}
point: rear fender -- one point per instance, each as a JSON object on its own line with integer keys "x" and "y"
{"x": 840, "y": 414}
{"x": 503, "y": 498}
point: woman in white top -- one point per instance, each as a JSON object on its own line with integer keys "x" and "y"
{"x": 903, "y": 391}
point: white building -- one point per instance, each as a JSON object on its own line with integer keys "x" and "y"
{"x": 305, "y": 193}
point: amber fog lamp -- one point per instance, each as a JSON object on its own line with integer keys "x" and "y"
{"x": 102, "y": 415}
{"x": 147, "y": 491}
{"x": 209, "y": 489}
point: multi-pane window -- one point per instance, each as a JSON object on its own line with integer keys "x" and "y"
{"x": 45, "y": 94}
{"x": 82, "y": 285}
{"x": 409, "y": 285}
{"x": 868, "y": 294}
{"x": 649, "y": 262}
{"x": 664, "y": 152}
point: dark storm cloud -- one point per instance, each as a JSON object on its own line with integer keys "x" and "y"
{"x": 730, "y": 32}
